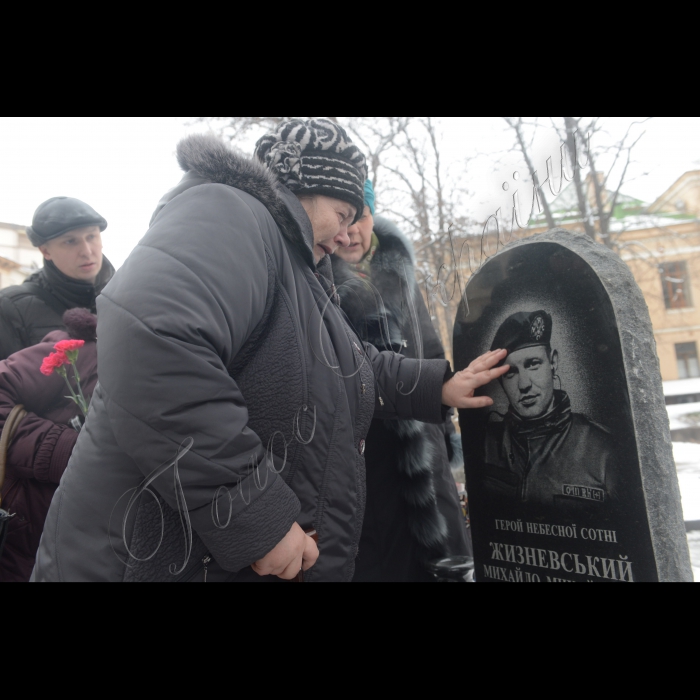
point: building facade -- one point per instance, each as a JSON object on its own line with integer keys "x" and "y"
{"x": 664, "y": 256}
{"x": 665, "y": 261}
{"x": 18, "y": 257}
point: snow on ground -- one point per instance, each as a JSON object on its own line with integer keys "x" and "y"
{"x": 687, "y": 457}
{"x": 688, "y": 464}
{"x": 678, "y": 415}
{"x": 694, "y": 542}
{"x": 684, "y": 387}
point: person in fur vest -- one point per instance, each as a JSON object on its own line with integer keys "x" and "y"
{"x": 413, "y": 513}
{"x": 39, "y": 453}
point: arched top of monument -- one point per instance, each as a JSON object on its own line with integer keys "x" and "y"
{"x": 611, "y": 271}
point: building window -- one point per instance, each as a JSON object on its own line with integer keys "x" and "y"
{"x": 676, "y": 284}
{"x": 688, "y": 363}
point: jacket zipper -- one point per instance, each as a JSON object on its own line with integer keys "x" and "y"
{"x": 526, "y": 475}
{"x": 206, "y": 561}
{"x": 203, "y": 567}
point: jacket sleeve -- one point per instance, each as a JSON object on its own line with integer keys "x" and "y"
{"x": 408, "y": 389}
{"x": 170, "y": 324}
{"x": 10, "y": 323}
{"x": 41, "y": 448}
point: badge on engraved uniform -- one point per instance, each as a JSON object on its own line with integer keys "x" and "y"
{"x": 538, "y": 328}
{"x": 585, "y": 493}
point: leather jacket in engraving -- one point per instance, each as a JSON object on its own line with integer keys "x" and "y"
{"x": 561, "y": 461}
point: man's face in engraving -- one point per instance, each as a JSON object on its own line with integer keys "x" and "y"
{"x": 530, "y": 383}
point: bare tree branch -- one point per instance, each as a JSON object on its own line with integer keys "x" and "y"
{"x": 597, "y": 200}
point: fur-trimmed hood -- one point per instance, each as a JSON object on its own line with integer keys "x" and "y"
{"x": 208, "y": 159}
{"x": 393, "y": 238}
{"x": 392, "y": 287}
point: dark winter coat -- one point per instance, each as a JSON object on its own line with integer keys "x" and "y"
{"x": 39, "y": 453}
{"x": 413, "y": 511}
{"x": 31, "y": 310}
{"x": 220, "y": 336}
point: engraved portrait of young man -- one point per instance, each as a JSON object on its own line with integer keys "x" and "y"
{"x": 541, "y": 454}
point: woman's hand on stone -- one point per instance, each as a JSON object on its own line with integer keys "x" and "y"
{"x": 295, "y": 553}
{"x": 459, "y": 391}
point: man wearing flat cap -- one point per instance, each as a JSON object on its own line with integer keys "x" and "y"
{"x": 68, "y": 232}
{"x": 541, "y": 454}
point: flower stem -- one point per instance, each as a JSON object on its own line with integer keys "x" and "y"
{"x": 64, "y": 374}
{"x": 83, "y": 403}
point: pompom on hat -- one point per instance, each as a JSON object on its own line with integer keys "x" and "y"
{"x": 81, "y": 325}
{"x": 316, "y": 157}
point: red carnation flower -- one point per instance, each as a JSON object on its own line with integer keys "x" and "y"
{"x": 66, "y": 346}
{"x": 53, "y": 362}
{"x": 67, "y": 352}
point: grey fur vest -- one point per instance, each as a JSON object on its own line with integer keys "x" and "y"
{"x": 389, "y": 312}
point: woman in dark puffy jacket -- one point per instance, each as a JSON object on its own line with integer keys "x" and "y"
{"x": 413, "y": 513}
{"x": 42, "y": 446}
{"x": 229, "y": 426}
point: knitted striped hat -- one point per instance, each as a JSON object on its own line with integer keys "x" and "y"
{"x": 316, "y": 157}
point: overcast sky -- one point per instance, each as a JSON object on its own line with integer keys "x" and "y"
{"x": 123, "y": 165}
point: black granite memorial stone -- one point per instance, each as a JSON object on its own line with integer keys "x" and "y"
{"x": 570, "y": 474}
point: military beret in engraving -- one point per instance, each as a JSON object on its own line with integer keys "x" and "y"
{"x": 524, "y": 330}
